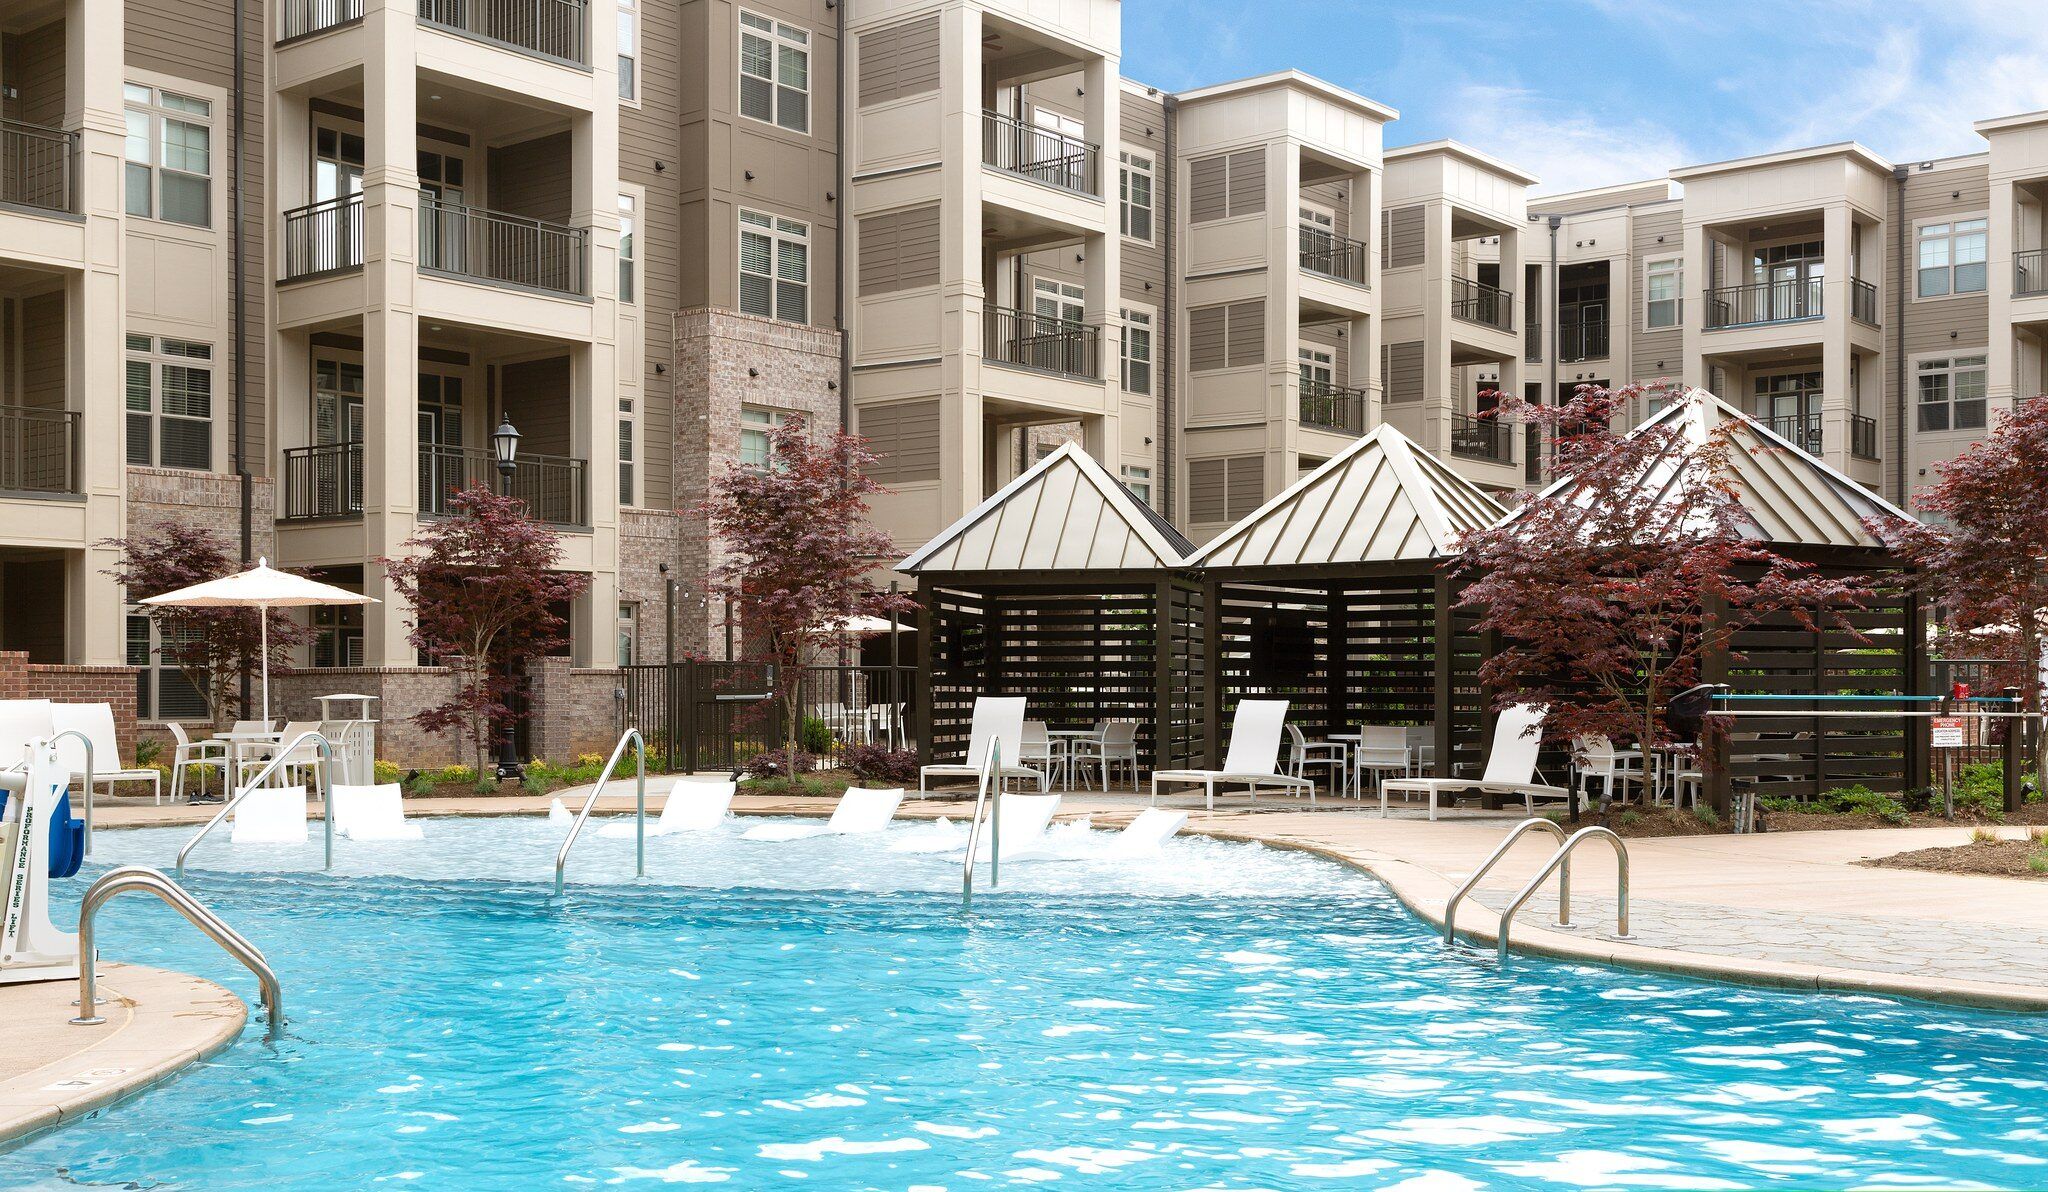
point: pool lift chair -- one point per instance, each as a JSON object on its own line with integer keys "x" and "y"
{"x": 41, "y": 841}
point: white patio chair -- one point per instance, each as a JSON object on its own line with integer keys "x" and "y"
{"x": 1382, "y": 748}
{"x": 1254, "y": 757}
{"x": 1595, "y": 757}
{"x": 303, "y": 764}
{"x": 1039, "y": 751}
{"x": 96, "y": 722}
{"x": 1510, "y": 768}
{"x": 1304, "y": 755}
{"x": 997, "y": 719}
{"x": 1118, "y": 743}
{"x": 1421, "y": 747}
{"x": 23, "y": 721}
{"x": 210, "y": 753}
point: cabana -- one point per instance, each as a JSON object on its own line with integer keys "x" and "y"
{"x": 1809, "y": 512}
{"x": 1068, "y": 590}
{"x": 1334, "y": 595}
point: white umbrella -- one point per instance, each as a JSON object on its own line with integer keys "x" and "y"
{"x": 264, "y": 587}
{"x": 860, "y": 625}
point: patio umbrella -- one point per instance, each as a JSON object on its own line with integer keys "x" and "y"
{"x": 861, "y": 625}
{"x": 260, "y": 587}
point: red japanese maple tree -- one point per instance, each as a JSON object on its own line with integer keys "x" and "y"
{"x": 1985, "y": 557}
{"x": 797, "y": 553}
{"x": 1612, "y": 589}
{"x": 214, "y": 648}
{"x": 483, "y": 589}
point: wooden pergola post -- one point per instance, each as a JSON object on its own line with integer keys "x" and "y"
{"x": 1212, "y": 667}
{"x": 1446, "y": 687}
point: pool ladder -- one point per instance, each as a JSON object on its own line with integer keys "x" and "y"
{"x": 991, "y": 775}
{"x": 138, "y": 877}
{"x": 639, "y": 744}
{"x": 1560, "y": 862}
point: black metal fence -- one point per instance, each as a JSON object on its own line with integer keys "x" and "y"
{"x": 38, "y": 450}
{"x": 1040, "y": 154}
{"x": 700, "y": 715}
{"x": 323, "y": 237}
{"x": 304, "y": 18}
{"x": 1043, "y": 342}
{"x": 1863, "y": 301}
{"x": 1481, "y": 438}
{"x": 1581, "y": 337}
{"x": 1764, "y": 302}
{"x": 1801, "y": 430}
{"x": 323, "y": 481}
{"x": 494, "y": 246}
{"x": 1333, "y": 256}
{"x": 1332, "y": 407}
{"x": 1863, "y": 436}
{"x": 1477, "y": 302}
{"x": 38, "y": 166}
{"x": 2030, "y": 271}
{"x": 545, "y": 28}
{"x": 553, "y": 486}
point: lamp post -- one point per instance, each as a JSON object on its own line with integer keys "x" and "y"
{"x": 505, "y": 449}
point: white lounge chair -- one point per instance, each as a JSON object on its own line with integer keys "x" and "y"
{"x": 1142, "y": 837}
{"x": 861, "y": 812}
{"x": 693, "y": 805}
{"x": 997, "y": 718}
{"x": 1510, "y": 768}
{"x": 1025, "y": 819}
{"x": 271, "y": 815}
{"x": 23, "y": 721}
{"x": 370, "y": 813}
{"x": 1254, "y": 757}
{"x": 96, "y": 722}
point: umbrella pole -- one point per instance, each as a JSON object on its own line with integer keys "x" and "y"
{"x": 263, "y": 615}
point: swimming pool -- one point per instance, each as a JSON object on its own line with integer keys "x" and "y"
{"x": 821, "y": 1012}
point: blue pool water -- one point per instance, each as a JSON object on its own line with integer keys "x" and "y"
{"x": 821, "y": 1013}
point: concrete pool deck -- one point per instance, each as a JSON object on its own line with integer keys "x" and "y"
{"x": 1787, "y": 909}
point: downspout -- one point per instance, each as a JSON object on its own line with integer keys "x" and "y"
{"x": 1898, "y": 411}
{"x": 1169, "y": 424}
{"x": 845, "y": 227}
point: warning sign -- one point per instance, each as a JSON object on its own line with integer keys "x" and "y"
{"x": 1946, "y": 732}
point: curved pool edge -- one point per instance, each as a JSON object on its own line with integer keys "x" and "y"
{"x": 159, "y": 1022}
{"x": 1423, "y": 893}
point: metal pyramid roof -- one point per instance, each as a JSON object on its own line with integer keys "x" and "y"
{"x": 1066, "y": 513}
{"x": 1380, "y": 500}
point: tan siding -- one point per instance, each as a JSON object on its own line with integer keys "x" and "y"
{"x": 1331, "y": 339}
{"x": 899, "y": 250}
{"x": 1226, "y": 336}
{"x": 648, "y": 134}
{"x": 42, "y": 341}
{"x": 1208, "y": 188}
{"x": 535, "y": 396}
{"x": 34, "y": 67}
{"x": 1248, "y": 181}
{"x": 532, "y": 178}
{"x": 1401, "y": 368}
{"x": 905, "y": 438}
{"x": 1929, "y": 321}
{"x": 1144, "y": 264}
{"x": 1206, "y": 331}
{"x": 1656, "y": 355}
{"x": 1225, "y": 489}
{"x": 900, "y": 60}
{"x": 1247, "y": 334}
{"x": 1401, "y": 237}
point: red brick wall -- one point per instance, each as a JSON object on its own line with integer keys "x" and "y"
{"x": 115, "y": 685}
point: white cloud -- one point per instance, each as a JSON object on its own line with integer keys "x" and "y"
{"x": 1567, "y": 145}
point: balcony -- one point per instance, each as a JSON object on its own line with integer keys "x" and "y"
{"x": 326, "y": 482}
{"x": 298, "y": 19}
{"x": 1334, "y": 257}
{"x": 1863, "y": 302}
{"x": 323, "y": 238}
{"x": 1335, "y": 408}
{"x": 1477, "y": 302}
{"x": 509, "y": 250}
{"x": 1582, "y": 339}
{"x": 1763, "y": 303}
{"x": 38, "y": 167}
{"x": 1484, "y": 438}
{"x": 2030, "y": 272}
{"x": 1801, "y": 430}
{"x": 1042, "y": 343}
{"x": 1040, "y": 155}
{"x": 1532, "y": 340}
{"x": 1862, "y": 437}
{"x": 550, "y": 29}
{"x": 38, "y": 451}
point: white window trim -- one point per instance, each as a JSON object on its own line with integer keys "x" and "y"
{"x": 776, "y": 417}
{"x": 1151, "y": 324}
{"x": 1151, "y": 171}
{"x": 630, "y": 9}
{"x": 218, "y": 222}
{"x": 1913, "y": 363}
{"x": 1912, "y": 281}
{"x": 775, "y": 233}
{"x": 1649, "y": 266}
{"x": 808, "y": 46}
{"x": 1150, "y": 482}
{"x": 218, "y": 425}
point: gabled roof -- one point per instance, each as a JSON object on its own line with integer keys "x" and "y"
{"x": 1065, "y": 514}
{"x": 1380, "y": 500}
{"x": 1791, "y": 497}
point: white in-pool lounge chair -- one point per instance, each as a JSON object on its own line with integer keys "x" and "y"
{"x": 693, "y": 805}
{"x": 861, "y": 812}
{"x": 373, "y": 813}
{"x": 270, "y": 815}
{"x": 1254, "y": 757}
{"x": 997, "y": 718}
{"x": 1510, "y": 768}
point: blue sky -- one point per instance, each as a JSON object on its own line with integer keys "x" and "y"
{"x": 1592, "y": 92}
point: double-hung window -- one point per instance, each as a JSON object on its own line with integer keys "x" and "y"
{"x": 1134, "y": 190}
{"x": 775, "y": 72}
{"x": 757, "y": 443}
{"x": 1663, "y": 290}
{"x": 1137, "y": 351}
{"x": 1952, "y": 257}
{"x": 170, "y": 403}
{"x": 629, "y": 633}
{"x": 1139, "y": 481}
{"x": 1951, "y": 393}
{"x": 629, "y": 49}
{"x": 628, "y": 438}
{"x": 775, "y": 267}
{"x": 162, "y": 692}
{"x": 170, "y": 156}
{"x": 629, "y": 249}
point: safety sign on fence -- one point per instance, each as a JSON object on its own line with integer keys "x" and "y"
{"x": 1946, "y": 732}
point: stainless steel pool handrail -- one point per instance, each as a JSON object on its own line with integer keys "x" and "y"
{"x": 1560, "y": 857}
{"x": 87, "y": 742}
{"x": 640, "y": 808}
{"x": 140, "y": 877}
{"x": 280, "y": 758}
{"x": 1564, "y": 879}
{"x": 991, "y": 772}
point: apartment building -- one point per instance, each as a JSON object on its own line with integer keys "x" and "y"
{"x": 291, "y": 295}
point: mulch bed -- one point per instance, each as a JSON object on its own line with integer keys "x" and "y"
{"x": 1633, "y": 821}
{"x": 2004, "y": 858}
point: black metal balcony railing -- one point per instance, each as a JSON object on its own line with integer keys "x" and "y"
{"x": 1040, "y": 154}
{"x": 1481, "y": 438}
{"x": 1332, "y": 407}
{"x": 304, "y": 18}
{"x": 1763, "y": 302}
{"x": 510, "y": 249}
{"x": 1801, "y": 430}
{"x": 2030, "y": 272}
{"x": 38, "y": 450}
{"x": 1477, "y": 302}
{"x": 554, "y": 29}
{"x": 324, "y": 237}
{"x": 1042, "y": 342}
{"x": 1582, "y": 338}
{"x": 553, "y": 486}
{"x": 38, "y": 167}
{"x": 1863, "y": 302}
{"x": 1863, "y": 436}
{"x": 1532, "y": 341}
{"x": 323, "y": 481}
{"x": 1532, "y": 455}
{"x": 1329, "y": 255}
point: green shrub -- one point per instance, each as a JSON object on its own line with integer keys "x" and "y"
{"x": 1629, "y": 819}
{"x": 1707, "y": 815}
{"x": 386, "y": 772}
{"x": 2037, "y": 862}
{"x": 456, "y": 775}
{"x": 147, "y": 751}
{"x": 421, "y": 783}
{"x": 816, "y": 736}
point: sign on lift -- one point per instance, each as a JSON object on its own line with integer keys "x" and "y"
{"x": 1946, "y": 732}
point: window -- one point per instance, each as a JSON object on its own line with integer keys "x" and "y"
{"x": 170, "y": 156}
{"x": 1057, "y": 300}
{"x": 628, "y": 249}
{"x": 1952, "y": 393}
{"x": 757, "y": 449}
{"x": 162, "y": 692}
{"x": 337, "y": 635}
{"x": 775, "y": 267}
{"x": 1139, "y": 481}
{"x": 1137, "y": 351}
{"x": 1952, "y": 258}
{"x": 1134, "y": 188}
{"x": 629, "y": 633}
{"x": 775, "y": 72}
{"x": 170, "y": 403}
{"x": 1663, "y": 289}
{"x": 629, "y": 49}
{"x": 628, "y": 431}
{"x": 1318, "y": 371}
